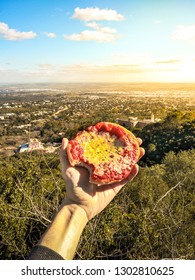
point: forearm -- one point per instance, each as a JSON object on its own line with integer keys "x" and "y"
{"x": 64, "y": 232}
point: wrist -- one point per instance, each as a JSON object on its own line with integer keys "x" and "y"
{"x": 64, "y": 232}
{"x": 74, "y": 211}
{"x": 75, "y": 208}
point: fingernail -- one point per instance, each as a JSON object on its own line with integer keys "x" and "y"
{"x": 64, "y": 143}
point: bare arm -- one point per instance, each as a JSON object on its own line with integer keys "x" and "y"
{"x": 64, "y": 232}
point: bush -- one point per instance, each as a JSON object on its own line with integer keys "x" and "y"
{"x": 151, "y": 218}
{"x": 29, "y": 197}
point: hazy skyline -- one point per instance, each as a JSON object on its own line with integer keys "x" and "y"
{"x": 97, "y": 41}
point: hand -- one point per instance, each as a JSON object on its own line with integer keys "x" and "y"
{"x": 92, "y": 198}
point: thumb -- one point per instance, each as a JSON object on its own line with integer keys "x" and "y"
{"x": 63, "y": 156}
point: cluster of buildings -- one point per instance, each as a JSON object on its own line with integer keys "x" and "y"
{"x": 135, "y": 122}
{"x": 34, "y": 145}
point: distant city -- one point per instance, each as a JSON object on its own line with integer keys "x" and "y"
{"x": 47, "y": 112}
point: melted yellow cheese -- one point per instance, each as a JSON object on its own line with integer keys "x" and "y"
{"x": 100, "y": 148}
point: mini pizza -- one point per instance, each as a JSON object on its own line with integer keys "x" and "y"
{"x": 108, "y": 150}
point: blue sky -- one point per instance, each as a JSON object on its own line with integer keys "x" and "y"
{"x": 97, "y": 41}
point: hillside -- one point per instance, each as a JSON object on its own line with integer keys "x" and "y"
{"x": 151, "y": 218}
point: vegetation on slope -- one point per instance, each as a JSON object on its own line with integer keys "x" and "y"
{"x": 151, "y": 218}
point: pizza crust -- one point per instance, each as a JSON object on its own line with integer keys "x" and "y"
{"x": 107, "y": 150}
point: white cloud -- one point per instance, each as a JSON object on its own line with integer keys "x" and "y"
{"x": 91, "y": 35}
{"x": 90, "y": 14}
{"x": 93, "y": 24}
{"x": 185, "y": 33}
{"x": 12, "y": 34}
{"x": 99, "y": 34}
{"x": 50, "y": 35}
